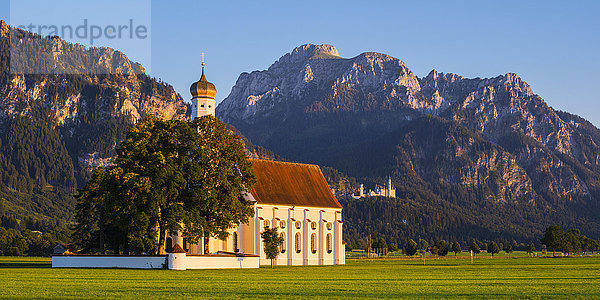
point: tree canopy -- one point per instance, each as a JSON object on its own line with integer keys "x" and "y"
{"x": 474, "y": 247}
{"x": 410, "y": 248}
{"x": 456, "y": 248}
{"x": 272, "y": 241}
{"x": 493, "y": 248}
{"x": 552, "y": 237}
{"x": 169, "y": 175}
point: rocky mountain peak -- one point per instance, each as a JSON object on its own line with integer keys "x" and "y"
{"x": 305, "y": 52}
{"x": 123, "y": 90}
{"x": 378, "y": 56}
{"x": 434, "y": 76}
{"x": 512, "y": 79}
{"x": 311, "y": 50}
{"x": 378, "y": 62}
{"x": 4, "y": 29}
{"x": 378, "y": 82}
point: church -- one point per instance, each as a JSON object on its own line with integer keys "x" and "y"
{"x": 294, "y": 198}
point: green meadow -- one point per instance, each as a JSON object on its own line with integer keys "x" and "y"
{"x": 390, "y": 278}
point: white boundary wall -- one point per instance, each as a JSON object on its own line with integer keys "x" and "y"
{"x": 156, "y": 262}
{"x": 222, "y": 262}
{"x": 127, "y": 262}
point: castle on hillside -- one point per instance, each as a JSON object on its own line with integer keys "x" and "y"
{"x": 381, "y": 191}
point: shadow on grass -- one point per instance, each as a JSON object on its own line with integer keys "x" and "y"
{"x": 29, "y": 265}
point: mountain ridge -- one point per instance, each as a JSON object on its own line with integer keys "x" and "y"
{"x": 57, "y": 127}
{"x": 355, "y": 114}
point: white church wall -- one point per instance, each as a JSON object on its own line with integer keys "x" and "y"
{"x": 296, "y": 258}
{"x": 340, "y": 250}
{"x": 306, "y": 215}
{"x": 312, "y": 221}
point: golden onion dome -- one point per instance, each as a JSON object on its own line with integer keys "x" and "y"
{"x": 202, "y": 88}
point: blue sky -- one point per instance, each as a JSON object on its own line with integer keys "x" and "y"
{"x": 554, "y": 46}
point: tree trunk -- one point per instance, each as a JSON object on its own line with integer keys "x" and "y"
{"x": 102, "y": 240}
{"x": 271, "y": 263}
{"x": 162, "y": 236}
{"x": 206, "y": 250}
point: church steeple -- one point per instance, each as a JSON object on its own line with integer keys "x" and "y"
{"x": 203, "y": 96}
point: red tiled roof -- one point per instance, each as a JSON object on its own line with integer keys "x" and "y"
{"x": 177, "y": 249}
{"x": 291, "y": 184}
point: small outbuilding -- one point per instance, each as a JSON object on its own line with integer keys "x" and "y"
{"x": 61, "y": 249}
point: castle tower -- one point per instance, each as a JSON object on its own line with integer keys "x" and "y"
{"x": 203, "y": 97}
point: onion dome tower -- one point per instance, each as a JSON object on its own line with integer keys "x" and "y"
{"x": 203, "y": 97}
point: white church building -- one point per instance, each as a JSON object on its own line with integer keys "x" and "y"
{"x": 294, "y": 198}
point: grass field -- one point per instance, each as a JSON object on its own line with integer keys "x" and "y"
{"x": 446, "y": 278}
{"x": 363, "y": 254}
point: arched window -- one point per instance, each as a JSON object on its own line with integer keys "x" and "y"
{"x": 313, "y": 225}
{"x": 169, "y": 244}
{"x": 267, "y": 223}
{"x": 329, "y": 248}
{"x": 282, "y": 236}
{"x": 297, "y": 242}
{"x": 313, "y": 243}
{"x": 282, "y": 224}
{"x": 235, "y": 242}
{"x": 329, "y": 226}
{"x": 298, "y": 224}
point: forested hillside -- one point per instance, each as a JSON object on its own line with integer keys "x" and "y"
{"x": 54, "y": 129}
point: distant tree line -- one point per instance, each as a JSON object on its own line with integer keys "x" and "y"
{"x": 569, "y": 242}
{"x": 30, "y": 236}
{"x": 33, "y": 243}
{"x": 415, "y": 213}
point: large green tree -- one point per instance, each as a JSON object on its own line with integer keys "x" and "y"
{"x": 442, "y": 247}
{"x": 379, "y": 244}
{"x": 553, "y": 237}
{"x": 272, "y": 241}
{"x": 493, "y": 248}
{"x": 474, "y": 247}
{"x": 530, "y": 249}
{"x": 456, "y": 248}
{"x": 169, "y": 175}
{"x": 410, "y": 248}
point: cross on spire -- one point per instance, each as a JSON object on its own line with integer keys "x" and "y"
{"x": 203, "y": 59}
